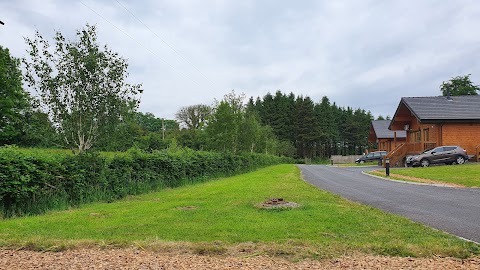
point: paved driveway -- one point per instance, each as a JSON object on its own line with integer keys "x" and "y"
{"x": 454, "y": 210}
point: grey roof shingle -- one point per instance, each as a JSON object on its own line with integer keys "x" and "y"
{"x": 426, "y": 109}
{"x": 382, "y": 132}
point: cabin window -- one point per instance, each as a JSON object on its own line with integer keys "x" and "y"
{"x": 417, "y": 136}
{"x": 426, "y": 134}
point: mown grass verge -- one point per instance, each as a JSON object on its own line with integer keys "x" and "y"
{"x": 467, "y": 175}
{"x": 220, "y": 216}
{"x": 372, "y": 163}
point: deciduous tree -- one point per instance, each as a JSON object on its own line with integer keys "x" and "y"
{"x": 14, "y": 100}
{"x": 459, "y": 86}
{"x": 249, "y": 132}
{"x": 194, "y": 117}
{"x": 81, "y": 85}
{"x": 224, "y": 124}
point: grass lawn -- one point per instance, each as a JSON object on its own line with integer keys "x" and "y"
{"x": 467, "y": 175}
{"x": 221, "y": 214}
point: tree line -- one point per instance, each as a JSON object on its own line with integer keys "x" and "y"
{"x": 280, "y": 124}
{"x": 316, "y": 129}
{"x": 83, "y": 102}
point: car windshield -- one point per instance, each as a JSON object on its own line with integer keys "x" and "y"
{"x": 428, "y": 150}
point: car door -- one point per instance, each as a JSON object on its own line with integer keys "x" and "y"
{"x": 437, "y": 155}
{"x": 369, "y": 157}
{"x": 449, "y": 154}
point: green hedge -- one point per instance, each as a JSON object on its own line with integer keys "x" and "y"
{"x": 32, "y": 182}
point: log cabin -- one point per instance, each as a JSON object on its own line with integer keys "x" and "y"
{"x": 434, "y": 121}
{"x": 385, "y": 138}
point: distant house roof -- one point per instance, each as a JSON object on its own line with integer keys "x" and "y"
{"x": 443, "y": 109}
{"x": 380, "y": 127}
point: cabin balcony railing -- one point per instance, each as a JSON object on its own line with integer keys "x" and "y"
{"x": 418, "y": 147}
{"x": 396, "y": 155}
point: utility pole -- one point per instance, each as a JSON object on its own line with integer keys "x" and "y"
{"x": 163, "y": 129}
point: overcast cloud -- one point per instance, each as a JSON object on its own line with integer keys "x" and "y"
{"x": 365, "y": 54}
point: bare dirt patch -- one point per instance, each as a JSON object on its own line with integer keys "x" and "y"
{"x": 276, "y": 203}
{"x": 130, "y": 258}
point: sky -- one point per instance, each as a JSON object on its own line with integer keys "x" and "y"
{"x": 359, "y": 53}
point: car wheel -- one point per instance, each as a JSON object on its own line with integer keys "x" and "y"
{"x": 460, "y": 160}
{"x": 362, "y": 161}
{"x": 424, "y": 163}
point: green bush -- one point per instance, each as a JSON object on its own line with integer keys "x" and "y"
{"x": 35, "y": 181}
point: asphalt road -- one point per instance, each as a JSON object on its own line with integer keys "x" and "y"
{"x": 454, "y": 210}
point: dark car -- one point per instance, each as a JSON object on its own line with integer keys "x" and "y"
{"x": 441, "y": 154}
{"x": 372, "y": 156}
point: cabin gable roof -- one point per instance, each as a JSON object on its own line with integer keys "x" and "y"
{"x": 441, "y": 109}
{"x": 381, "y": 130}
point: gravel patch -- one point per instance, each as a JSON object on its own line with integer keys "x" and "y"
{"x": 129, "y": 258}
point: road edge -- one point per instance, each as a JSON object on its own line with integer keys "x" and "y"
{"x": 410, "y": 182}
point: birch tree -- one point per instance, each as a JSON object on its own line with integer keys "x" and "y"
{"x": 81, "y": 85}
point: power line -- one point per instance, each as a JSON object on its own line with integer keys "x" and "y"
{"x": 166, "y": 43}
{"x": 152, "y": 52}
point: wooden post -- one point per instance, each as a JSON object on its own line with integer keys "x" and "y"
{"x": 422, "y": 140}
{"x": 394, "y": 139}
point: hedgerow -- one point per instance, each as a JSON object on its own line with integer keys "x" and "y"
{"x": 33, "y": 182}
